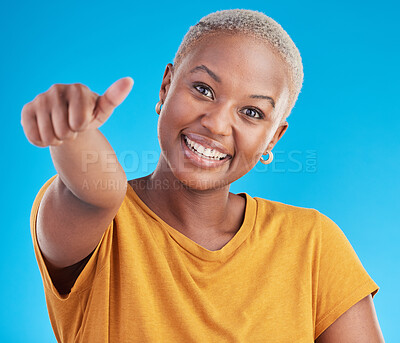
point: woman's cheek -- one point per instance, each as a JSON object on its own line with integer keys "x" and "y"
{"x": 181, "y": 111}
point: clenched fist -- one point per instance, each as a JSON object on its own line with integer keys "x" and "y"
{"x": 64, "y": 110}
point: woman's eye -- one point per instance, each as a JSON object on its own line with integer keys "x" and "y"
{"x": 204, "y": 90}
{"x": 251, "y": 112}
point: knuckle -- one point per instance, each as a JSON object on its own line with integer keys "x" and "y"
{"x": 56, "y": 90}
{"x": 75, "y": 93}
{"x": 40, "y": 100}
{"x": 78, "y": 87}
{"x": 24, "y": 114}
{"x": 26, "y": 108}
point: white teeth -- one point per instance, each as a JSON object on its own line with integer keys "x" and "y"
{"x": 204, "y": 152}
{"x": 208, "y": 153}
{"x": 200, "y": 149}
{"x": 196, "y": 146}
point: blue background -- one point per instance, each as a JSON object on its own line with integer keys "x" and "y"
{"x": 340, "y": 154}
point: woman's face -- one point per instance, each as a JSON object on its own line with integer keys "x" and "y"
{"x": 222, "y": 109}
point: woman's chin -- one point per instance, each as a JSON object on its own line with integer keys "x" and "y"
{"x": 199, "y": 182}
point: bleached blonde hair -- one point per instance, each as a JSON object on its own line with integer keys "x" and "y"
{"x": 258, "y": 25}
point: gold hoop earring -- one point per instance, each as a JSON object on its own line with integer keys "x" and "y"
{"x": 270, "y": 157}
{"x": 158, "y": 107}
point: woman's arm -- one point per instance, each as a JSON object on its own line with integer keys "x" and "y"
{"x": 90, "y": 186}
{"x": 359, "y": 324}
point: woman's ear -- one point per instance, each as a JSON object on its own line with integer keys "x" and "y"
{"x": 278, "y": 135}
{"x": 166, "y": 81}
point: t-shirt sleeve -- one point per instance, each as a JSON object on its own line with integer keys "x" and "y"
{"x": 93, "y": 266}
{"x": 342, "y": 280}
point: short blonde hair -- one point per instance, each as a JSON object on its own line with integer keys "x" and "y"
{"x": 258, "y": 25}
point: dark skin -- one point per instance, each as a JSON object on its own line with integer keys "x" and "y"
{"x": 201, "y": 207}
{"x": 222, "y": 108}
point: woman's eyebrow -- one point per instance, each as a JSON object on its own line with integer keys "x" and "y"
{"x": 203, "y": 68}
{"x": 272, "y": 101}
{"x": 208, "y": 71}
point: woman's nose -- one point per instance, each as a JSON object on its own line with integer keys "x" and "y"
{"x": 218, "y": 120}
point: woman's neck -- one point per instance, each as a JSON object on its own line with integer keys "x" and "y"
{"x": 198, "y": 214}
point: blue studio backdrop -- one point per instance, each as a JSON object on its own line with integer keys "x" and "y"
{"x": 339, "y": 155}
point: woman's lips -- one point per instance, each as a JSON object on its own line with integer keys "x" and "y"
{"x": 207, "y": 143}
{"x": 202, "y": 155}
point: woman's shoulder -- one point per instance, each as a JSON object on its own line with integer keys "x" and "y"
{"x": 293, "y": 216}
{"x": 279, "y": 207}
{"x": 286, "y": 215}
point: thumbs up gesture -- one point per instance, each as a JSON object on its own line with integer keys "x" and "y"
{"x": 63, "y": 111}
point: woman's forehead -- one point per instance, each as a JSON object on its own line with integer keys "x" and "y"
{"x": 235, "y": 57}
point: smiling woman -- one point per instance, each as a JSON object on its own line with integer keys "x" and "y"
{"x": 203, "y": 96}
{"x": 174, "y": 256}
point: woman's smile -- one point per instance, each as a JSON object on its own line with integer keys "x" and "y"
{"x": 204, "y": 152}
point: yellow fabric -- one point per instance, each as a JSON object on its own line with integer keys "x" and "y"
{"x": 285, "y": 276}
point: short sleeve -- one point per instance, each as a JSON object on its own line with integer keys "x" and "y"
{"x": 342, "y": 280}
{"x": 93, "y": 266}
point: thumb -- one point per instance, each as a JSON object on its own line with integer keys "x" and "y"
{"x": 113, "y": 97}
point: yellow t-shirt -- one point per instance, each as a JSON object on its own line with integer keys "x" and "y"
{"x": 287, "y": 274}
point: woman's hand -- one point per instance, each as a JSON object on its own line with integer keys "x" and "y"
{"x": 75, "y": 211}
{"x": 63, "y": 111}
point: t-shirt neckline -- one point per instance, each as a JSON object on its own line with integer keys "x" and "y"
{"x": 196, "y": 249}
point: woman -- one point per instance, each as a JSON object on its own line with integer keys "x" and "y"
{"x": 174, "y": 256}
